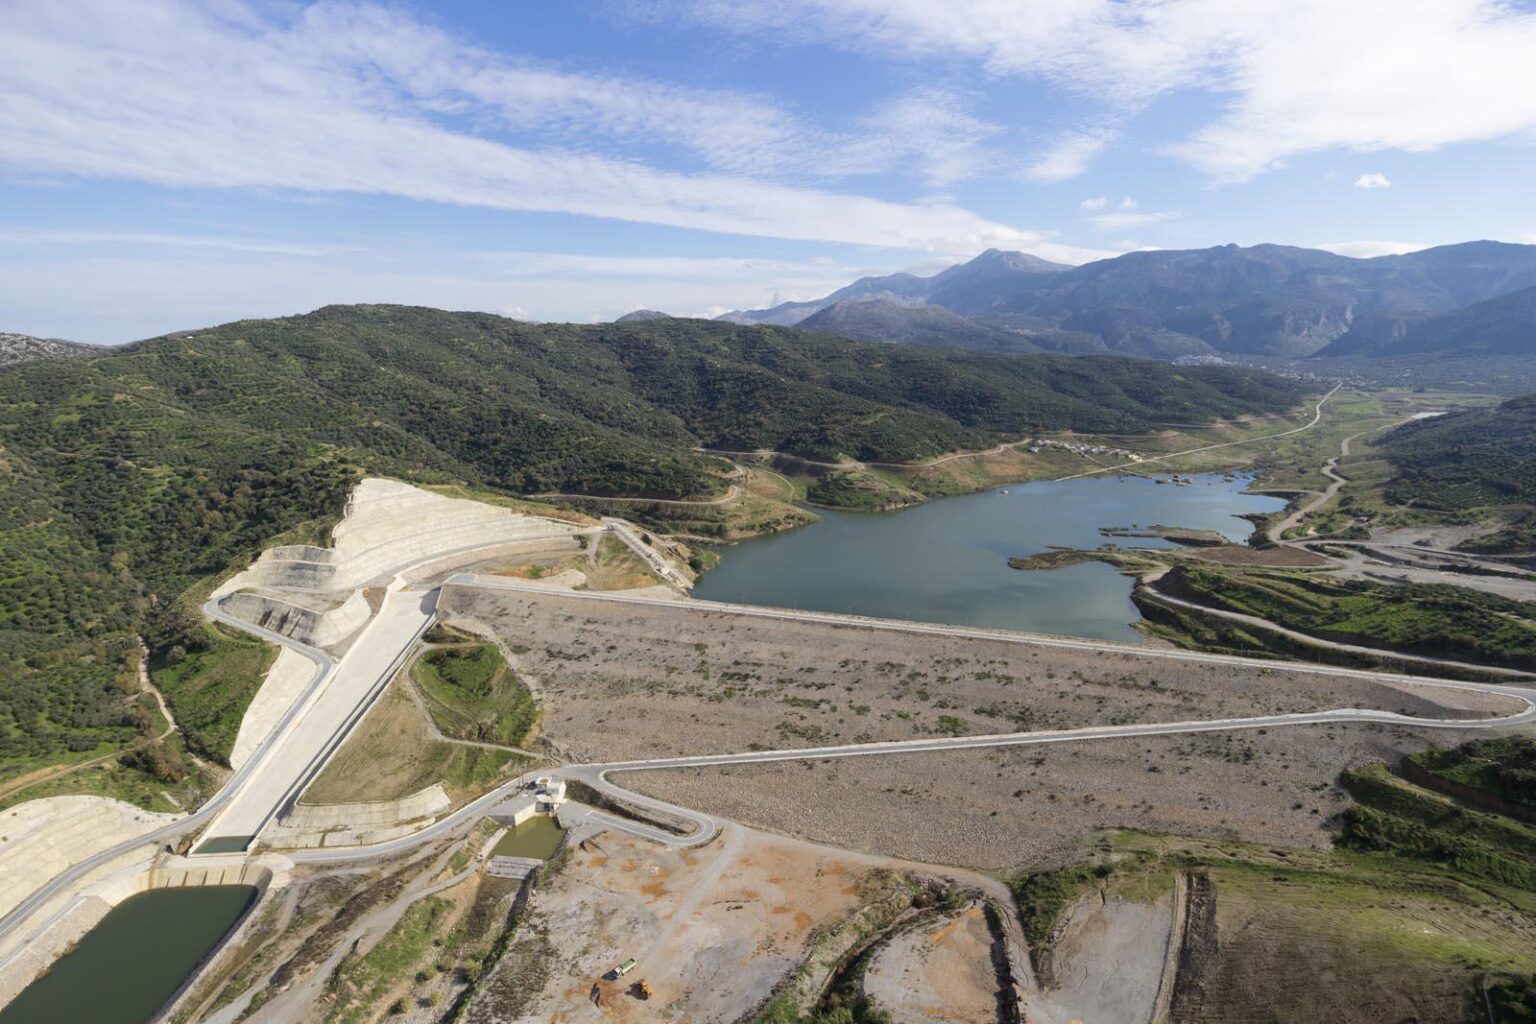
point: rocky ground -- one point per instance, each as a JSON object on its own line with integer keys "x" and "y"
{"x": 1022, "y": 807}
{"x": 627, "y": 681}
{"x": 713, "y": 930}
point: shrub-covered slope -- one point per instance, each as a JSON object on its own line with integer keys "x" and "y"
{"x": 1467, "y": 459}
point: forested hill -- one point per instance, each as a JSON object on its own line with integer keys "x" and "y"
{"x": 126, "y": 476}
{"x": 617, "y": 408}
{"x": 1471, "y": 459}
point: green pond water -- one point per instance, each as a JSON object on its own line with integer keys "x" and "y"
{"x": 947, "y": 560}
{"x": 538, "y": 837}
{"x": 225, "y": 844}
{"x": 126, "y": 967}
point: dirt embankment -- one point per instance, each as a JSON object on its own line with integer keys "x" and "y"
{"x": 939, "y": 971}
{"x": 714, "y": 930}
{"x": 1025, "y": 807}
{"x": 1199, "y": 952}
{"x": 1106, "y": 960}
{"x": 623, "y": 681}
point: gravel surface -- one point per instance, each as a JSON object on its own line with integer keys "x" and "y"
{"x": 1028, "y": 807}
{"x": 631, "y": 681}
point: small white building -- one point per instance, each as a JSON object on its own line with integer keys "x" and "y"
{"x": 548, "y": 794}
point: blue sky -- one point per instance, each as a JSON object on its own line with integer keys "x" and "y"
{"x": 167, "y": 164}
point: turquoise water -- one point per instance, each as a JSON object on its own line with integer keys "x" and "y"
{"x": 126, "y": 967}
{"x": 947, "y": 560}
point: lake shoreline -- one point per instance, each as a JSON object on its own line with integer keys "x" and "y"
{"x": 947, "y": 560}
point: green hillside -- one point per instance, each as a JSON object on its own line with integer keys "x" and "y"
{"x": 1478, "y": 461}
{"x": 1466, "y": 459}
{"x": 126, "y": 477}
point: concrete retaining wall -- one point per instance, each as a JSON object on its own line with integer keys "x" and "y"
{"x": 390, "y": 525}
{"x": 285, "y": 683}
{"x": 313, "y": 825}
{"x": 423, "y": 803}
{"x": 426, "y": 570}
{"x": 317, "y": 626}
{"x": 517, "y": 815}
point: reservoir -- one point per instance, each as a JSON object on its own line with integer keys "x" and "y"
{"x": 130, "y": 964}
{"x": 947, "y": 560}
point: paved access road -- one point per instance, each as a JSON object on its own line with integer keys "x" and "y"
{"x": 653, "y": 558}
{"x": 1107, "y": 732}
{"x": 1150, "y": 581}
{"x": 1317, "y": 417}
{"x": 704, "y": 827}
{"x": 731, "y": 494}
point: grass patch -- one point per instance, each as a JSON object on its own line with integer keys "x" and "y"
{"x": 861, "y": 491}
{"x": 392, "y": 754}
{"x": 1396, "y": 818}
{"x": 1503, "y": 768}
{"x": 209, "y": 680}
{"x": 613, "y": 566}
{"x": 1044, "y": 896}
{"x": 157, "y": 776}
{"x": 1512, "y": 998}
{"x": 1433, "y": 620}
{"x": 472, "y": 694}
{"x": 361, "y": 982}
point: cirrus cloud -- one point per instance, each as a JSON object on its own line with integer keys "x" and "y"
{"x": 1293, "y": 76}
{"x": 354, "y": 98}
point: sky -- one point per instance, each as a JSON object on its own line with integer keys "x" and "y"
{"x": 170, "y": 164}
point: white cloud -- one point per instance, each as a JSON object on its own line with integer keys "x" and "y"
{"x": 1296, "y": 76}
{"x": 1373, "y": 180}
{"x": 1125, "y": 217}
{"x": 1098, "y": 213}
{"x": 1067, "y": 156}
{"x": 352, "y": 98}
{"x": 929, "y": 128}
{"x": 740, "y": 270}
{"x": 138, "y": 295}
{"x": 65, "y": 237}
{"x": 1367, "y": 248}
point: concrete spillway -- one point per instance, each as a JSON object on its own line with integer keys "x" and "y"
{"x": 390, "y": 525}
{"x": 314, "y": 594}
{"x": 354, "y": 594}
{"x": 316, "y": 623}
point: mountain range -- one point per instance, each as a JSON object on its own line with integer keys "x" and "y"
{"x": 1262, "y": 300}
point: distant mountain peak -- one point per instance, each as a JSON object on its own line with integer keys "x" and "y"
{"x": 893, "y": 319}
{"x": 1264, "y": 299}
{"x": 1013, "y": 259}
{"x": 643, "y": 314}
